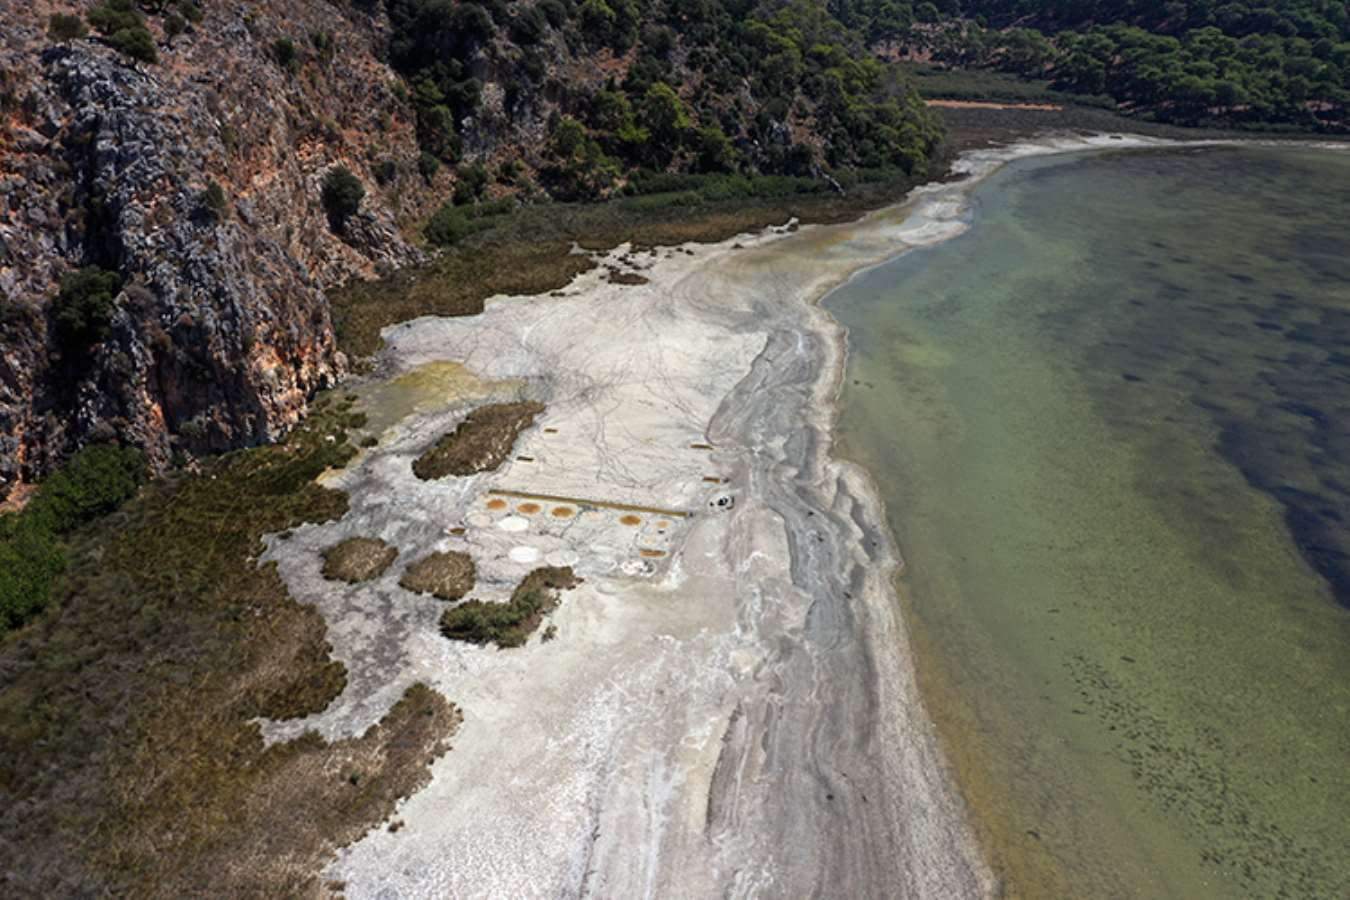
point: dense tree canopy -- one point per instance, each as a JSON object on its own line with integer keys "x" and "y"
{"x": 714, "y": 86}
{"x": 1253, "y": 62}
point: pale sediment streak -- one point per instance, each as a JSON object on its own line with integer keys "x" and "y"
{"x": 743, "y": 721}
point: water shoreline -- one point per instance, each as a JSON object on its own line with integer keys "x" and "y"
{"x": 780, "y": 741}
{"x": 947, "y": 416}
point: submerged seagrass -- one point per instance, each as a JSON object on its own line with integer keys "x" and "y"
{"x": 1110, "y": 426}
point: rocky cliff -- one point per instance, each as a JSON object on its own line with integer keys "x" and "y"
{"x": 178, "y": 151}
{"x": 220, "y": 330}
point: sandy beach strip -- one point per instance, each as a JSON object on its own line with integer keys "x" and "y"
{"x": 729, "y": 706}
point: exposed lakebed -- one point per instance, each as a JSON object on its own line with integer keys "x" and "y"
{"x": 1112, "y": 426}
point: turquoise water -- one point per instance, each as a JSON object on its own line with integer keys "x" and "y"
{"x": 1111, "y": 424}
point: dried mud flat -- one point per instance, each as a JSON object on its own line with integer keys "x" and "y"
{"x": 728, "y": 707}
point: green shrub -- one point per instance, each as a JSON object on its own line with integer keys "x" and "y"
{"x": 189, "y": 10}
{"x": 509, "y": 624}
{"x": 212, "y": 201}
{"x": 95, "y": 481}
{"x": 384, "y": 171}
{"x": 136, "y": 43}
{"x": 491, "y": 208}
{"x": 342, "y": 195}
{"x": 555, "y": 11}
{"x": 597, "y": 21}
{"x": 528, "y": 26}
{"x": 29, "y": 559}
{"x": 115, "y": 15}
{"x": 672, "y": 187}
{"x": 284, "y": 52}
{"x": 448, "y": 226}
{"x": 174, "y": 25}
{"x": 427, "y": 166}
{"x": 84, "y": 306}
{"x": 325, "y": 45}
{"x": 664, "y": 116}
{"x": 472, "y": 23}
{"x": 123, "y": 27}
{"x": 715, "y": 153}
{"x": 469, "y": 183}
{"x": 63, "y": 27}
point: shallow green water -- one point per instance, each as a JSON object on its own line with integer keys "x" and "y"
{"x": 1111, "y": 424}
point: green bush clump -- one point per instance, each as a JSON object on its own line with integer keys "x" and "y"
{"x": 95, "y": 481}
{"x": 212, "y": 203}
{"x": 509, "y": 624}
{"x": 174, "y": 25}
{"x": 555, "y": 11}
{"x": 115, "y": 15}
{"x": 136, "y": 43}
{"x": 284, "y": 52}
{"x": 494, "y": 208}
{"x": 448, "y": 226}
{"x": 65, "y": 27}
{"x": 427, "y": 166}
{"x": 470, "y": 181}
{"x": 123, "y": 27}
{"x": 384, "y": 171}
{"x": 342, "y": 195}
{"x": 84, "y": 306}
{"x": 528, "y": 26}
{"x": 325, "y": 45}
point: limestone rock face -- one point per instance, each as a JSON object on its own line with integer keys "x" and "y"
{"x": 221, "y": 331}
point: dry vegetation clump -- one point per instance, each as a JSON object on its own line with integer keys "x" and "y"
{"x": 480, "y": 443}
{"x": 510, "y": 624}
{"x": 298, "y": 802}
{"x": 133, "y": 764}
{"x": 618, "y": 276}
{"x": 446, "y": 576}
{"x": 357, "y": 559}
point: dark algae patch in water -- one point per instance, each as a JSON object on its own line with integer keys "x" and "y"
{"x": 1249, "y": 313}
{"x": 1110, "y": 424}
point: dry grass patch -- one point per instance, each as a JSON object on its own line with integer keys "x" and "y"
{"x": 446, "y": 576}
{"x": 132, "y": 762}
{"x": 299, "y": 801}
{"x": 510, "y": 624}
{"x": 480, "y": 443}
{"x": 357, "y": 559}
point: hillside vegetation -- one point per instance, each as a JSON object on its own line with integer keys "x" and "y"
{"x": 1253, "y": 63}
{"x": 715, "y": 86}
